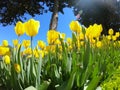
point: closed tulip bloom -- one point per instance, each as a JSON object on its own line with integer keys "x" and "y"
{"x": 81, "y": 36}
{"x": 17, "y": 68}
{"x": 109, "y": 37}
{"x": 27, "y": 51}
{"x": 117, "y": 34}
{"x": 75, "y": 26}
{"x": 5, "y": 43}
{"x": 6, "y": 59}
{"x": 19, "y": 28}
{"x": 111, "y": 31}
{"x": 15, "y": 42}
{"x": 41, "y": 44}
{"x": 52, "y": 36}
{"x": 69, "y": 41}
{"x": 94, "y": 31}
{"x": 3, "y": 50}
{"x": 114, "y": 38}
{"x": 99, "y": 44}
{"x": 57, "y": 42}
{"x": 26, "y": 43}
{"x": 32, "y": 27}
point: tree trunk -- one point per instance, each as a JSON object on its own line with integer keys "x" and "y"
{"x": 54, "y": 19}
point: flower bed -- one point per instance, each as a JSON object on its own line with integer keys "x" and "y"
{"x": 87, "y": 59}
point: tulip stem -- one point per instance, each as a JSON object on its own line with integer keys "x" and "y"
{"x": 32, "y": 47}
{"x": 31, "y": 62}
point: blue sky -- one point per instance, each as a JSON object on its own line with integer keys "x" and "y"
{"x": 7, "y": 32}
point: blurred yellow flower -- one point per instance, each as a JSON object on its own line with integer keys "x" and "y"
{"x": 41, "y": 52}
{"x": 110, "y": 31}
{"x": 114, "y": 38}
{"x": 99, "y": 44}
{"x": 92, "y": 41}
{"x": 19, "y": 28}
{"x": 75, "y": 26}
{"x": 81, "y": 36}
{"x": 117, "y": 34}
{"x": 62, "y": 36}
{"x": 15, "y": 42}
{"x": 3, "y": 50}
{"x": 109, "y": 37}
{"x": 38, "y": 53}
{"x": 94, "y": 31}
{"x": 69, "y": 41}
{"x": 32, "y": 27}
{"x": 17, "y": 68}
{"x": 57, "y": 42}
{"x": 82, "y": 43}
{"x": 26, "y": 43}
{"x": 6, "y": 59}
{"x": 70, "y": 47}
{"x": 52, "y": 36}
{"x": 27, "y": 51}
{"x": 41, "y": 44}
{"x": 5, "y": 43}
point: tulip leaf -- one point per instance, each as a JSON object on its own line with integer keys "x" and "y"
{"x": 44, "y": 85}
{"x": 86, "y": 57}
{"x": 94, "y": 82}
{"x": 71, "y": 81}
{"x": 56, "y": 71}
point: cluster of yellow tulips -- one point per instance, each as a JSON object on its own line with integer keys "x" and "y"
{"x": 57, "y": 44}
{"x": 31, "y": 28}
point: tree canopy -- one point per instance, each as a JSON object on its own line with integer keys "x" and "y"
{"x": 105, "y": 12}
{"x": 12, "y": 11}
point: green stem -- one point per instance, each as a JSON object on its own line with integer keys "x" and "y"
{"x": 31, "y": 63}
{"x": 32, "y": 46}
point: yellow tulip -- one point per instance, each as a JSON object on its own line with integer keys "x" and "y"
{"x": 19, "y": 28}
{"x": 117, "y": 34}
{"x": 15, "y": 43}
{"x": 111, "y": 31}
{"x": 6, "y": 59}
{"x": 27, "y": 51}
{"x": 52, "y": 36}
{"x": 75, "y": 26}
{"x": 38, "y": 53}
{"x": 94, "y": 31}
{"x": 57, "y": 42}
{"x": 17, "y": 68}
{"x": 109, "y": 37}
{"x": 41, "y": 44}
{"x": 3, "y": 50}
{"x": 32, "y": 27}
{"x": 62, "y": 36}
{"x": 98, "y": 44}
{"x": 26, "y": 43}
{"x": 114, "y": 38}
{"x": 81, "y": 36}
{"x": 70, "y": 47}
{"x": 69, "y": 41}
{"x": 5, "y": 43}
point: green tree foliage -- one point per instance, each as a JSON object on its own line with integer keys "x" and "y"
{"x": 12, "y": 11}
{"x": 105, "y": 12}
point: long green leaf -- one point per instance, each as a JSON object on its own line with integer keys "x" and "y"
{"x": 94, "y": 82}
{"x": 44, "y": 85}
{"x": 71, "y": 81}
